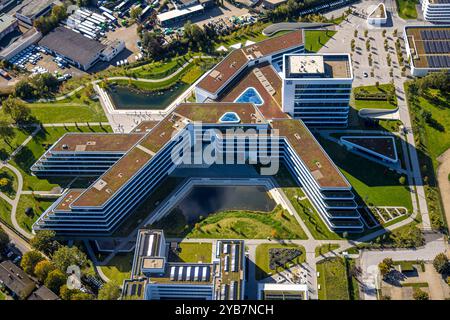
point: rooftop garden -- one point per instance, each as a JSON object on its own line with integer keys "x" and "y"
{"x": 192, "y": 253}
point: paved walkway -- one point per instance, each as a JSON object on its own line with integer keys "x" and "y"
{"x": 370, "y": 259}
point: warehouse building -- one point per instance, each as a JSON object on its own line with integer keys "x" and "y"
{"x": 79, "y": 50}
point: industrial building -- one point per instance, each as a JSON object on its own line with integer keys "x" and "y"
{"x": 33, "y": 9}
{"x": 7, "y": 24}
{"x": 79, "y": 50}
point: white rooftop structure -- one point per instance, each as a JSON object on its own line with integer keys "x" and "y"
{"x": 306, "y": 64}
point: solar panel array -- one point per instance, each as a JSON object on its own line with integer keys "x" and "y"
{"x": 437, "y": 46}
{"x": 435, "y": 34}
{"x": 439, "y": 61}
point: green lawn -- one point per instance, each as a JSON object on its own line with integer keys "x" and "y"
{"x": 38, "y": 204}
{"x": 432, "y": 138}
{"x": 36, "y": 147}
{"x": 407, "y": 8}
{"x": 119, "y": 268}
{"x": 234, "y": 225}
{"x": 373, "y": 183}
{"x": 325, "y": 248}
{"x": 193, "y": 253}
{"x": 2, "y": 295}
{"x": 374, "y": 104}
{"x": 262, "y": 259}
{"x": 63, "y": 112}
{"x": 333, "y": 280}
{"x": 8, "y": 145}
{"x": 11, "y": 188}
{"x": 316, "y": 39}
{"x": 251, "y": 33}
{"x": 5, "y": 212}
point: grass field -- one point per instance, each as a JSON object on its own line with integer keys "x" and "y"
{"x": 407, "y": 8}
{"x": 119, "y": 267}
{"x": 67, "y": 112}
{"x": 38, "y": 204}
{"x": 316, "y": 39}
{"x": 36, "y": 147}
{"x": 374, "y": 183}
{"x": 193, "y": 252}
{"x": 333, "y": 280}
{"x": 11, "y": 188}
{"x": 5, "y": 212}
{"x": 432, "y": 139}
{"x": 325, "y": 248}
{"x": 374, "y": 104}
{"x": 8, "y": 145}
{"x": 262, "y": 259}
{"x": 158, "y": 69}
{"x": 235, "y": 225}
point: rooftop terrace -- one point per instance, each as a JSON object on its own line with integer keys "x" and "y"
{"x": 238, "y": 59}
{"x": 90, "y": 142}
{"x": 317, "y": 66}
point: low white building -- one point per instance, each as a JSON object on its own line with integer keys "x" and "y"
{"x": 282, "y": 291}
{"x": 317, "y": 88}
{"x": 377, "y": 16}
{"x": 436, "y": 10}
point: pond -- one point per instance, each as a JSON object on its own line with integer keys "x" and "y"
{"x": 205, "y": 200}
{"x": 125, "y": 98}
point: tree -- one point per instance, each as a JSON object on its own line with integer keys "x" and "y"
{"x": 42, "y": 269}
{"x": 151, "y": 45}
{"x": 419, "y": 294}
{"x": 81, "y": 296}
{"x": 4, "y": 182}
{"x": 135, "y": 12}
{"x": 109, "y": 291}
{"x": 24, "y": 89}
{"x": 44, "y": 241}
{"x": 73, "y": 294}
{"x": 441, "y": 263}
{"x": 4, "y": 239}
{"x": 67, "y": 256}
{"x": 55, "y": 280}
{"x": 29, "y": 261}
{"x": 402, "y": 180}
{"x": 16, "y": 109}
{"x": 384, "y": 269}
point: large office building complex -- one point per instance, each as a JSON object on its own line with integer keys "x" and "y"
{"x": 132, "y": 166}
{"x": 155, "y": 277}
{"x": 317, "y": 88}
{"x": 436, "y": 10}
{"x": 427, "y": 48}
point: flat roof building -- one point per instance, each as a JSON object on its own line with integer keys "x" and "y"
{"x": 317, "y": 88}
{"x": 33, "y": 9}
{"x": 79, "y": 50}
{"x": 175, "y": 16}
{"x": 427, "y": 48}
{"x": 154, "y": 277}
{"x": 282, "y": 291}
{"x": 7, "y": 24}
